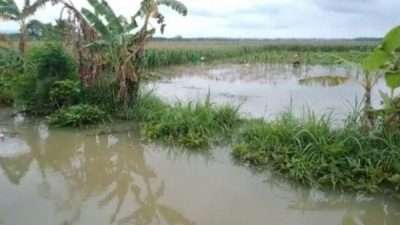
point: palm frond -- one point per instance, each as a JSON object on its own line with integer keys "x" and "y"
{"x": 31, "y": 9}
{"x": 104, "y": 9}
{"x": 96, "y": 23}
{"x": 175, "y": 5}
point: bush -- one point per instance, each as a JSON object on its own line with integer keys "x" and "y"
{"x": 46, "y": 65}
{"x": 7, "y": 89}
{"x": 11, "y": 62}
{"x": 65, "y": 93}
{"x": 50, "y": 62}
{"x": 77, "y": 116}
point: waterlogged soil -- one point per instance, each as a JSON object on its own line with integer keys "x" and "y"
{"x": 264, "y": 90}
{"x": 107, "y": 176}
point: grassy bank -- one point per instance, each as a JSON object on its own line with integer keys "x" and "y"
{"x": 191, "y": 125}
{"x": 308, "y": 150}
{"x": 314, "y": 153}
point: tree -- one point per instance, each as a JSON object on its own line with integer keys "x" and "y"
{"x": 46, "y": 31}
{"x": 121, "y": 41}
{"x": 10, "y": 11}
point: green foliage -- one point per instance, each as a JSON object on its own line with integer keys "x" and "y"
{"x": 11, "y": 62}
{"x": 77, "y": 116}
{"x": 175, "y": 54}
{"x": 188, "y": 125}
{"x": 51, "y": 62}
{"x": 9, "y": 10}
{"x": 11, "y": 66}
{"x": 313, "y": 152}
{"x": 47, "y": 31}
{"x": 121, "y": 42}
{"x": 46, "y": 65}
{"x": 103, "y": 94}
{"x": 391, "y": 41}
{"x": 389, "y": 116}
{"x": 393, "y": 79}
{"x": 375, "y": 61}
{"x": 175, "y": 5}
{"x": 8, "y": 86}
{"x": 65, "y": 93}
{"x": 386, "y": 58}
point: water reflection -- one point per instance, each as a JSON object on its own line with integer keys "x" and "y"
{"x": 324, "y": 81}
{"x": 92, "y": 170}
{"x": 106, "y": 176}
{"x": 358, "y": 210}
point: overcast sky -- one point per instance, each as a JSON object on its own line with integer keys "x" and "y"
{"x": 265, "y": 18}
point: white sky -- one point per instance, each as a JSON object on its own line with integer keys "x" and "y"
{"x": 265, "y": 18}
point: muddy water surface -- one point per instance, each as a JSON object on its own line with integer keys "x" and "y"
{"x": 268, "y": 90}
{"x": 107, "y": 176}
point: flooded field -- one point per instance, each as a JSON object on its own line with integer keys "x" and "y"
{"x": 267, "y": 90}
{"x": 108, "y": 176}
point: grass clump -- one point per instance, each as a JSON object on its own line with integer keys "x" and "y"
{"x": 77, "y": 116}
{"x": 314, "y": 153}
{"x": 191, "y": 125}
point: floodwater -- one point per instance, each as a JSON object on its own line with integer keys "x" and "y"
{"x": 107, "y": 175}
{"x": 264, "y": 90}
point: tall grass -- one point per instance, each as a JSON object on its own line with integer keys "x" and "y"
{"x": 313, "y": 152}
{"x": 310, "y": 150}
{"x": 161, "y": 55}
{"x": 190, "y": 125}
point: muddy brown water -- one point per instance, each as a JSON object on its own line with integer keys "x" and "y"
{"x": 107, "y": 176}
{"x": 263, "y": 90}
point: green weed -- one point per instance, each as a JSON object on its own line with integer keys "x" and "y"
{"x": 191, "y": 125}
{"x": 77, "y": 116}
{"x": 314, "y": 153}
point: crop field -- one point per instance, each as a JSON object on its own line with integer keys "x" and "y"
{"x": 174, "y": 52}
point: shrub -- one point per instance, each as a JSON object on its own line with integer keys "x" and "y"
{"x": 65, "y": 93}
{"x": 46, "y": 65}
{"x": 7, "y": 89}
{"x": 11, "y": 62}
{"x": 77, "y": 116}
{"x": 50, "y": 62}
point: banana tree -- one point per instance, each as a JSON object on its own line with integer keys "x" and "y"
{"x": 386, "y": 58}
{"x": 121, "y": 41}
{"x": 9, "y": 11}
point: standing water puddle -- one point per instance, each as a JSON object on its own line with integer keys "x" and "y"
{"x": 264, "y": 90}
{"x": 70, "y": 177}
